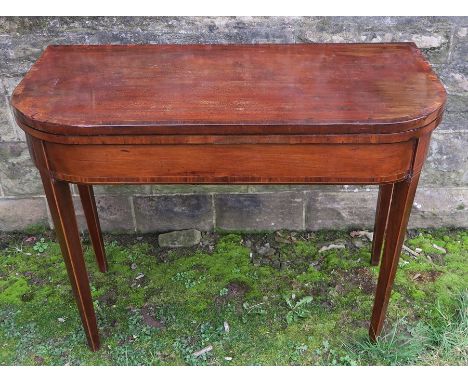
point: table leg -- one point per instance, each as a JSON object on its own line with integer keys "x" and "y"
{"x": 402, "y": 201}
{"x": 63, "y": 214}
{"x": 381, "y": 219}
{"x": 89, "y": 207}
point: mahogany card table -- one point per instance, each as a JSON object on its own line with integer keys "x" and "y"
{"x": 229, "y": 114}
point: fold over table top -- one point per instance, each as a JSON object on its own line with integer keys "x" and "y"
{"x": 229, "y": 89}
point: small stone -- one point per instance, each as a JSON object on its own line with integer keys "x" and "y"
{"x": 410, "y": 251}
{"x": 61, "y": 319}
{"x": 133, "y": 266}
{"x": 228, "y": 358}
{"x": 203, "y": 351}
{"x": 443, "y": 250}
{"x": 280, "y": 237}
{"x": 141, "y": 275}
{"x": 358, "y": 243}
{"x": 226, "y": 327}
{"x": 263, "y": 249}
{"x": 418, "y": 250}
{"x": 331, "y": 246}
{"x": 207, "y": 241}
{"x": 177, "y": 239}
{"x": 366, "y": 234}
{"x": 266, "y": 250}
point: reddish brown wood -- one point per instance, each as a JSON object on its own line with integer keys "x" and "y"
{"x": 190, "y": 139}
{"x": 402, "y": 201}
{"x": 62, "y": 210}
{"x": 89, "y": 207}
{"x": 400, "y": 208}
{"x": 381, "y": 218}
{"x": 241, "y": 163}
{"x": 229, "y": 89}
{"x": 270, "y": 114}
{"x": 421, "y": 152}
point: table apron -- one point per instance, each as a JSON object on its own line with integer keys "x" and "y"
{"x": 239, "y": 163}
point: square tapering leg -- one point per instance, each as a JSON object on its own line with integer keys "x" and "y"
{"x": 381, "y": 219}
{"x": 90, "y": 211}
{"x": 402, "y": 201}
{"x": 63, "y": 214}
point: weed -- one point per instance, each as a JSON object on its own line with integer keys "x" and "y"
{"x": 41, "y": 246}
{"x": 297, "y": 309}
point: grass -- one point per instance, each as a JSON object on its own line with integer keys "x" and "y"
{"x": 287, "y": 305}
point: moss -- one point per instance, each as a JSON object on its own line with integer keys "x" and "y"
{"x": 12, "y": 291}
{"x": 196, "y": 280}
{"x": 191, "y": 293}
{"x": 312, "y": 275}
{"x": 343, "y": 259}
{"x": 307, "y": 249}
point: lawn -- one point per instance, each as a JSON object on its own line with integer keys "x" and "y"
{"x": 236, "y": 299}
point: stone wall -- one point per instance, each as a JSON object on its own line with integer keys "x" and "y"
{"x": 441, "y": 199}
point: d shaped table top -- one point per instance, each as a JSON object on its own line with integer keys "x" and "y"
{"x": 229, "y": 89}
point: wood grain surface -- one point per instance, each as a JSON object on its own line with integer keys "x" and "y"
{"x": 229, "y": 89}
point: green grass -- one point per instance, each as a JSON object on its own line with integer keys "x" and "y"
{"x": 442, "y": 343}
{"x": 296, "y": 306}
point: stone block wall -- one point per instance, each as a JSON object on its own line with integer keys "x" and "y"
{"x": 440, "y": 201}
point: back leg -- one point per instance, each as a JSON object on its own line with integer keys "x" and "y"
{"x": 94, "y": 228}
{"x": 381, "y": 220}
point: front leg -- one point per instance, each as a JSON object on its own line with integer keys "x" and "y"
{"x": 62, "y": 210}
{"x": 402, "y": 201}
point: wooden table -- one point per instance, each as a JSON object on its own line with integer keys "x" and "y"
{"x": 231, "y": 114}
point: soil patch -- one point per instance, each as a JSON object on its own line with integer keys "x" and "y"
{"x": 425, "y": 277}
{"x": 148, "y": 314}
{"x": 357, "y": 277}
